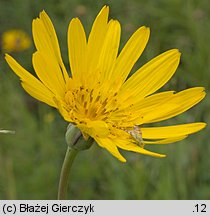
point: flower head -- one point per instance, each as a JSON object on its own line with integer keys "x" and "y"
{"x": 15, "y": 40}
{"x": 99, "y": 98}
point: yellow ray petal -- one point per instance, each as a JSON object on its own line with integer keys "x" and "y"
{"x": 129, "y": 146}
{"x": 145, "y": 103}
{"x": 110, "y": 146}
{"x": 178, "y": 104}
{"x": 96, "y": 39}
{"x": 151, "y": 76}
{"x": 128, "y": 115}
{"x": 109, "y": 51}
{"x": 62, "y": 109}
{"x": 130, "y": 54}
{"x": 38, "y": 93}
{"x": 95, "y": 128}
{"x": 124, "y": 141}
{"x": 46, "y": 71}
{"x": 32, "y": 85}
{"x": 171, "y": 131}
{"x": 77, "y": 46}
{"x": 165, "y": 141}
{"x": 153, "y": 100}
{"x": 54, "y": 41}
{"x": 100, "y": 132}
{"x": 46, "y": 43}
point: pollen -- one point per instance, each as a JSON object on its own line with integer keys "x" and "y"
{"x": 86, "y": 103}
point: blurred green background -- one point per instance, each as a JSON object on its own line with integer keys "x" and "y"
{"x": 30, "y": 160}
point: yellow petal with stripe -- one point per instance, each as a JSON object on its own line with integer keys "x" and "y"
{"x": 100, "y": 131}
{"x": 54, "y": 41}
{"x": 125, "y": 141}
{"x": 130, "y": 54}
{"x": 151, "y": 76}
{"x": 77, "y": 46}
{"x": 95, "y": 128}
{"x": 171, "y": 131}
{"x": 96, "y": 39}
{"x": 62, "y": 109}
{"x": 153, "y": 100}
{"x": 165, "y": 141}
{"x": 109, "y": 51}
{"x": 146, "y": 103}
{"x": 129, "y": 146}
{"x": 46, "y": 43}
{"x": 38, "y": 93}
{"x": 127, "y": 116}
{"x": 32, "y": 85}
{"x": 45, "y": 70}
{"x": 110, "y": 145}
{"x": 178, "y": 104}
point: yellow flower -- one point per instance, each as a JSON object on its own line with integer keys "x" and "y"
{"x": 99, "y": 98}
{"x": 15, "y": 40}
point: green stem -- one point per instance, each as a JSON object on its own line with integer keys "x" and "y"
{"x": 65, "y": 171}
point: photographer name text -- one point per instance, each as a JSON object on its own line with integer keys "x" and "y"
{"x": 47, "y": 208}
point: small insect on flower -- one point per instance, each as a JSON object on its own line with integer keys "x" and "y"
{"x": 136, "y": 134}
{"x": 15, "y": 40}
{"x": 99, "y": 97}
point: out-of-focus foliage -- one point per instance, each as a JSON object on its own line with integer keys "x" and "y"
{"x": 30, "y": 160}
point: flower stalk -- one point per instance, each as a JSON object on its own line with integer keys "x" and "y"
{"x": 76, "y": 143}
{"x": 65, "y": 172}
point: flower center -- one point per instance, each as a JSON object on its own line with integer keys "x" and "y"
{"x": 90, "y": 103}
